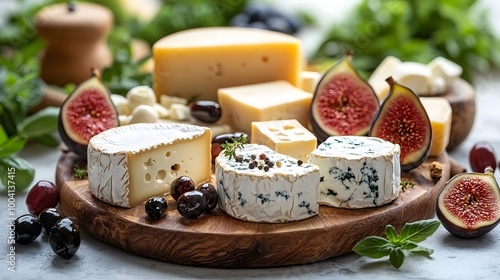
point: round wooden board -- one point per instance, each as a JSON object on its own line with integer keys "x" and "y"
{"x": 218, "y": 240}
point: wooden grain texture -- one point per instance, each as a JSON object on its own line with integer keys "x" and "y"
{"x": 218, "y": 240}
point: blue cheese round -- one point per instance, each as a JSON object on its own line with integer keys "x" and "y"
{"x": 357, "y": 171}
{"x": 286, "y": 191}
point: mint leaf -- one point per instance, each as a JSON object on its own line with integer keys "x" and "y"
{"x": 397, "y": 257}
{"x": 418, "y": 231}
{"x": 391, "y": 234}
{"x": 373, "y": 247}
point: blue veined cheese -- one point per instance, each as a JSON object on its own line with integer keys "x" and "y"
{"x": 285, "y": 192}
{"x": 357, "y": 171}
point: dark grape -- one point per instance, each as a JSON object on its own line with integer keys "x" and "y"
{"x": 206, "y": 111}
{"x": 64, "y": 238}
{"x": 156, "y": 207}
{"x": 27, "y": 228}
{"x": 49, "y": 218}
{"x": 223, "y": 138}
{"x": 181, "y": 185}
{"x": 279, "y": 24}
{"x": 211, "y": 196}
{"x": 42, "y": 195}
{"x": 191, "y": 204}
{"x": 481, "y": 156}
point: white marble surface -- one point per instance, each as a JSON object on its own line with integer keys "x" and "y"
{"x": 453, "y": 258}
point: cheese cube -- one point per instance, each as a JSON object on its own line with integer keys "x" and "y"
{"x": 309, "y": 80}
{"x": 286, "y": 191}
{"x": 286, "y": 137}
{"x": 278, "y": 100}
{"x": 440, "y": 114}
{"x": 128, "y": 165}
{"x": 357, "y": 171}
{"x": 195, "y": 63}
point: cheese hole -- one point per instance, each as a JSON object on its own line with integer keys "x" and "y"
{"x": 147, "y": 177}
{"x": 287, "y": 127}
{"x": 167, "y": 154}
{"x": 160, "y": 175}
{"x": 264, "y": 59}
{"x": 175, "y": 167}
{"x": 149, "y": 163}
{"x": 273, "y": 129}
{"x": 299, "y": 133}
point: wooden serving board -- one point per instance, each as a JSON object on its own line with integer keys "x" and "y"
{"x": 218, "y": 240}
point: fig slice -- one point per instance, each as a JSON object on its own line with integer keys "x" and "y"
{"x": 87, "y": 111}
{"x": 402, "y": 119}
{"x": 469, "y": 204}
{"x": 343, "y": 102}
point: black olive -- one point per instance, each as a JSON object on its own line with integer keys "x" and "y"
{"x": 48, "y": 218}
{"x": 211, "y": 196}
{"x": 27, "y": 228}
{"x": 156, "y": 207}
{"x": 191, "y": 204}
{"x": 206, "y": 111}
{"x": 64, "y": 238}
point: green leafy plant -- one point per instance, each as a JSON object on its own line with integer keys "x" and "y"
{"x": 398, "y": 246}
{"x": 231, "y": 147}
{"x": 406, "y": 184}
{"x": 415, "y": 31}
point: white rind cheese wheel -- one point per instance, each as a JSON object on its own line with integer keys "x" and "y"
{"x": 129, "y": 164}
{"x": 283, "y": 193}
{"x": 357, "y": 171}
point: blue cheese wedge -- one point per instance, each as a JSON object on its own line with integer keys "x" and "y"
{"x": 357, "y": 171}
{"x": 129, "y": 164}
{"x": 254, "y": 191}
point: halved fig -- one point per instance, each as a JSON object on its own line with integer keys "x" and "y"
{"x": 87, "y": 111}
{"x": 343, "y": 102}
{"x": 469, "y": 204}
{"x": 402, "y": 120}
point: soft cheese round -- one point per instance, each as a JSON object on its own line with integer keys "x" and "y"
{"x": 357, "y": 171}
{"x": 129, "y": 164}
{"x": 286, "y": 192}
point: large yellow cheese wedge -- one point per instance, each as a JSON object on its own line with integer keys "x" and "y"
{"x": 278, "y": 100}
{"x": 439, "y": 111}
{"x": 195, "y": 63}
{"x": 286, "y": 137}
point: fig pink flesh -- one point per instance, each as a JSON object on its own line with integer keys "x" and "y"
{"x": 346, "y": 106}
{"x": 471, "y": 200}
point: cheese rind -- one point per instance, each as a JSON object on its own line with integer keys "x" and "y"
{"x": 197, "y": 62}
{"x": 287, "y": 137}
{"x": 283, "y": 193}
{"x": 278, "y": 100}
{"x": 357, "y": 171}
{"x": 127, "y": 165}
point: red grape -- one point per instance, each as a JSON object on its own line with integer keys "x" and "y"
{"x": 481, "y": 156}
{"x": 42, "y": 195}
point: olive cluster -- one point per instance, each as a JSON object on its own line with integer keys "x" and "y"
{"x": 192, "y": 201}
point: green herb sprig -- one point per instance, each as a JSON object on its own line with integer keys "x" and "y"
{"x": 80, "y": 172}
{"x": 406, "y": 184}
{"x": 397, "y": 247}
{"x": 231, "y": 147}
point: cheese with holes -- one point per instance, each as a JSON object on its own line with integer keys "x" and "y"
{"x": 285, "y": 192}
{"x": 129, "y": 164}
{"x": 287, "y": 137}
{"x": 278, "y": 100}
{"x": 440, "y": 113}
{"x": 357, "y": 171}
{"x": 197, "y": 62}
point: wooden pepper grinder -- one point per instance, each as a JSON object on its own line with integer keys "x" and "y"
{"x": 76, "y": 36}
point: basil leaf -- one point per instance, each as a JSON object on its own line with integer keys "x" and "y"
{"x": 23, "y": 172}
{"x": 3, "y": 135}
{"x": 391, "y": 234}
{"x": 396, "y": 257}
{"x": 12, "y": 146}
{"x": 373, "y": 247}
{"x": 418, "y": 231}
{"x": 414, "y": 248}
{"x": 47, "y": 140}
{"x": 40, "y": 123}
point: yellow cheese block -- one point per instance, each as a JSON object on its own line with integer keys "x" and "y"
{"x": 195, "y": 63}
{"x": 278, "y": 100}
{"x": 439, "y": 111}
{"x": 287, "y": 137}
{"x": 309, "y": 80}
